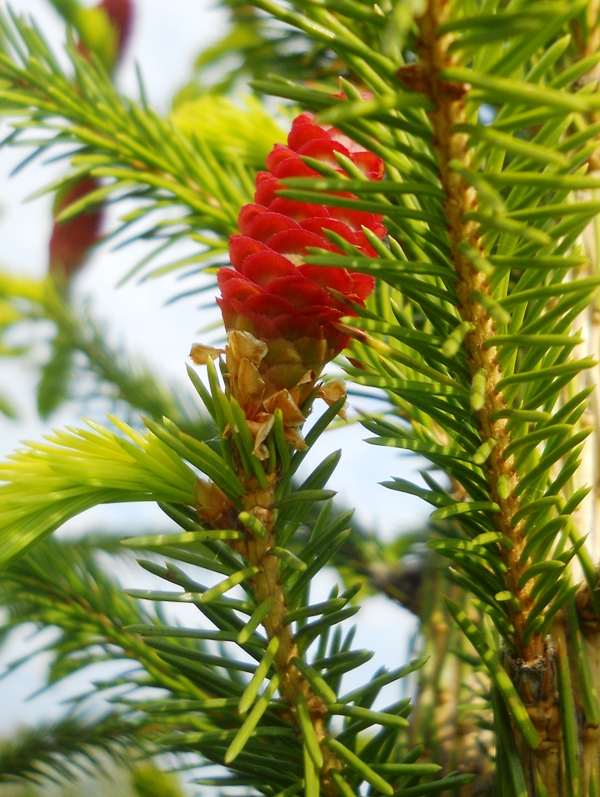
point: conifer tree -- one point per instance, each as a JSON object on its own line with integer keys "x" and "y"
{"x": 426, "y": 216}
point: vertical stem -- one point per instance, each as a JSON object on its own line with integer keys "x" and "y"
{"x": 533, "y": 668}
{"x": 259, "y": 502}
{"x": 461, "y": 198}
{"x": 441, "y": 720}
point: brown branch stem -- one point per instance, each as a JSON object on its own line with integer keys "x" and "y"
{"x": 533, "y": 668}
{"x": 461, "y": 198}
{"x": 258, "y": 552}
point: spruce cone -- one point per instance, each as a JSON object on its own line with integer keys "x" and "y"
{"x": 71, "y": 241}
{"x": 271, "y": 293}
{"x": 120, "y": 13}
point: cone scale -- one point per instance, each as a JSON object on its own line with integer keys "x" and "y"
{"x": 280, "y": 313}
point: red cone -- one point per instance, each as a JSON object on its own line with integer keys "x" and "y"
{"x": 120, "y": 13}
{"x": 71, "y": 241}
{"x": 271, "y": 292}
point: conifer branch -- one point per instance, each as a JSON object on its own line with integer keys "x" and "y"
{"x": 471, "y": 242}
{"x": 134, "y": 384}
{"x": 58, "y": 749}
{"x": 258, "y": 552}
{"x": 126, "y": 144}
{"x": 472, "y": 289}
{"x": 62, "y": 585}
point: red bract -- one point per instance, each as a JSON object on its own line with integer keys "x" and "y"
{"x": 120, "y": 13}
{"x": 72, "y": 240}
{"x": 271, "y": 292}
